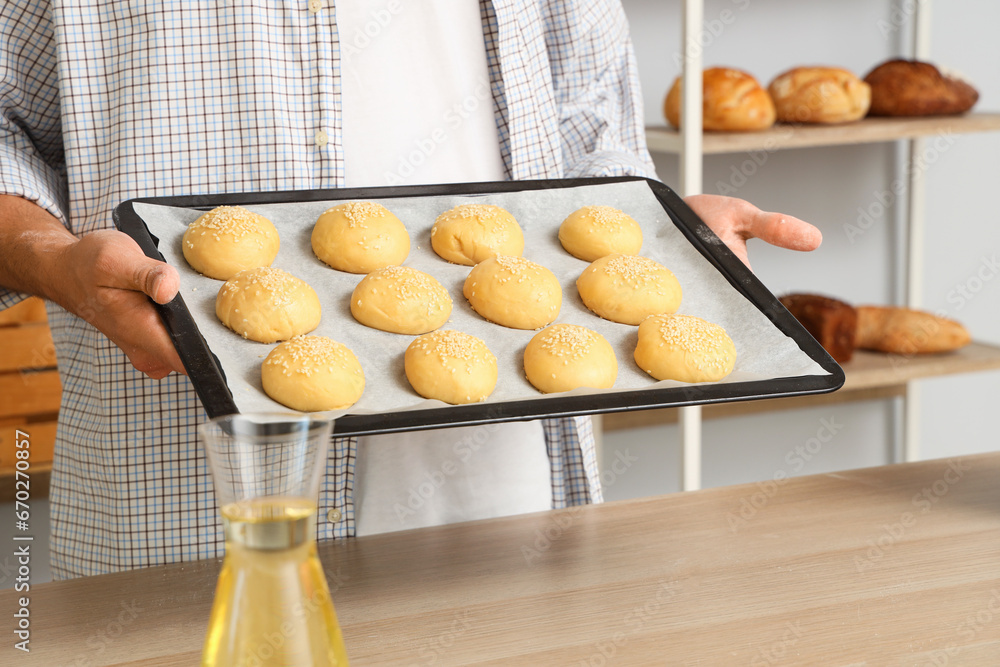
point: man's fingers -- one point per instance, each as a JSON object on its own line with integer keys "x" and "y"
{"x": 783, "y": 231}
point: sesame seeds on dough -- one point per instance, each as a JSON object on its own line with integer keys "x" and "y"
{"x": 235, "y": 221}
{"x": 684, "y": 348}
{"x": 564, "y": 357}
{"x": 313, "y": 373}
{"x": 569, "y": 340}
{"x": 634, "y": 269}
{"x": 402, "y": 300}
{"x": 470, "y": 233}
{"x": 606, "y": 217}
{"x": 309, "y": 354}
{"x": 360, "y": 237}
{"x": 358, "y": 213}
{"x": 451, "y": 366}
{"x": 227, "y": 240}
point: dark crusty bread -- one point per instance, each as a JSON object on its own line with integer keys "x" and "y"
{"x": 831, "y": 322}
{"x": 914, "y": 88}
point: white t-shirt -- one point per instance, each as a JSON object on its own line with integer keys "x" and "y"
{"x": 417, "y": 108}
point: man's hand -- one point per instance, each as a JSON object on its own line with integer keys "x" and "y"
{"x": 103, "y": 277}
{"x": 110, "y": 280}
{"x": 735, "y": 221}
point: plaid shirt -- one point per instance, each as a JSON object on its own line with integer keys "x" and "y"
{"x": 105, "y": 100}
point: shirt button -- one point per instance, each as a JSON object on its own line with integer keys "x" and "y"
{"x": 322, "y": 138}
{"x": 333, "y": 516}
{"x": 315, "y": 5}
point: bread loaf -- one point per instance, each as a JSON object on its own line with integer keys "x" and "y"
{"x": 906, "y": 331}
{"x": 914, "y": 88}
{"x": 732, "y": 100}
{"x": 819, "y": 95}
{"x": 831, "y": 322}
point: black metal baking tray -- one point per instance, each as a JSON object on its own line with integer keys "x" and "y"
{"x": 209, "y": 379}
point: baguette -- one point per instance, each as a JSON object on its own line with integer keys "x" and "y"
{"x": 906, "y": 331}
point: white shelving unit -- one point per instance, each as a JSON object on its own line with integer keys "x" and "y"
{"x": 870, "y": 375}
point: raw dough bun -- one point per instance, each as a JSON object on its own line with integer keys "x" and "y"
{"x": 359, "y": 237}
{"x": 595, "y": 231}
{"x": 684, "y": 348}
{"x": 401, "y": 300}
{"x": 514, "y": 292}
{"x": 732, "y": 101}
{"x": 451, "y": 366}
{"x": 628, "y": 288}
{"x": 229, "y": 239}
{"x": 312, "y": 374}
{"x": 267, "y": 305}
{"x": 564, "y": 357}
{"x": 470, "y": 233}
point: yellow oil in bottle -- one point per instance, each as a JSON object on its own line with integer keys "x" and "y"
{"x": 272, "y": 604}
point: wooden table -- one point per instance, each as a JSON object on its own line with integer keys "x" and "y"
{"x": 897, "y": 565}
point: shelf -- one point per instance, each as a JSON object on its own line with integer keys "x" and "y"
{"x": 868, "y": 130}
{"x": 870, "y": 375}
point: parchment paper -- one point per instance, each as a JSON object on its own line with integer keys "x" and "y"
{"x": 764, "y": 352}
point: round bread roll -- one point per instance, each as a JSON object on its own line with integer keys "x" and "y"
{"x": 914, "y": 88}
{"x": 470, "y": 233}
{"x": 684, "y": 348}
{"x": 514, "y": 292}
{"x": 401, "y": 300}
{"x": 229, "y": 239}
{"x": 563, "y": 357}
{"x": 267, "y": 305}
{"x": 359, "y": 237}
{"x": 595, "y": 231}
{"x": 312, "y": 374}
{"x": 819, "y": 95}
{"x": 628, "y": 288}
{"x": 732, "y": 101}
{"x": 451, "y": 366}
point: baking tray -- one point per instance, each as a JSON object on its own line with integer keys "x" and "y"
{"x": 209, "y": 377}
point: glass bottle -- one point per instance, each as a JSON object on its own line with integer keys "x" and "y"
{"x": 272, "y": 603}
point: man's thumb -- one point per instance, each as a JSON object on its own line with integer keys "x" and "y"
{"x": 157, "y": 280}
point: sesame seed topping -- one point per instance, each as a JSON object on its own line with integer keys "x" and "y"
{"x": 449, "y": 344}
{"x": 310, "y": 353}
{"x": 568, "y": 340}
{"x": 606, "y": 217}
{"x": 634, "y": 269}
{"x": 358, "y": 213}
{"x": 233, "y": 220}
{"x": 277, "y": 283}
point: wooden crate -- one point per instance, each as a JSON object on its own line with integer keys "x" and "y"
{"x": 29, "y": 394}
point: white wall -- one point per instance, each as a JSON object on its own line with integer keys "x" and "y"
{"x": 827, "y": 186}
